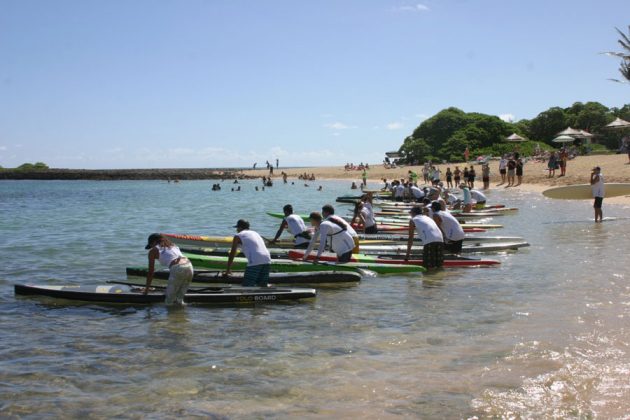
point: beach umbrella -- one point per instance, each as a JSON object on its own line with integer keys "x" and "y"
{"x": 618, "y": 124}
{"x": 569, "y": 132}
{"x": 564, "y": 139}
{"x": 515, "y": 138}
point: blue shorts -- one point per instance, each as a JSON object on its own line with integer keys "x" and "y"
{"x": 256, "y": 275}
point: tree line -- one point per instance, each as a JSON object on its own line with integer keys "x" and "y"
{"x": 446, "y": 135}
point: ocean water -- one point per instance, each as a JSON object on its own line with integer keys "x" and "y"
{"x": 544, "y": 335}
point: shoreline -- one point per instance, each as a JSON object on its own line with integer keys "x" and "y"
{"x": 535, "y": 177}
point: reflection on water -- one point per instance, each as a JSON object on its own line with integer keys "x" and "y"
{"x": 542, "y": 335}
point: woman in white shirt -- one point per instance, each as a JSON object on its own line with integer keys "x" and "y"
{"x": 180, "y": 268}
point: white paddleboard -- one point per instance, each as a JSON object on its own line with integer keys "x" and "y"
{"x": 583, "y": 191}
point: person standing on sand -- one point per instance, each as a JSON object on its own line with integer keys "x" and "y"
{"x": 552, "y": 164}
{"x": 180, "y": 268}
{"x": 466, "y": 154}
{"x": 449, "y": 178}
{"x": 485, "y": 175}
{"x": 597, "y": 188}
{"x": 257, "y": 254}
{"x": 511, "y": 169}
{"x": 364, "y": 178}
{"x": 457, "y": 175}
{"x": 471, "y": 177}
{"x": 277, "y": 163}
{"x": 519, "y": 169}
{"x": 563, "y": 158}
{"x": 502, "y": 169}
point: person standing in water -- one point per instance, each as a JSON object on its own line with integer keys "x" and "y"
{"x": 341, "y": 240}
{"x": 257, "y": 254}
{"x": 180, "y": 268}
{"x": 431, "y": 237}
{"x": 597, "y": 188}
{"x": 295, "y": 226}
{"x": 452, "y": 230}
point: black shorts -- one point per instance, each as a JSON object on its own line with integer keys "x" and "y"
{"x": 519, "y": 173}
{"x": 301, "y": 246}
{"x": 598, "y": 202}
{"x": 454, "y": 247}
{"x": 433, "y": 255}
{"x": 344, "y": 258}
{"x": 371, "y": 230}
{"x": 502, "y": 171}
{"x": 398, "y": 199}
{"x": 486, "y": 179}
{"x": 457, "y": 179}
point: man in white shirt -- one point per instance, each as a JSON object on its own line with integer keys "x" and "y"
{"x": 431, "y": 237}
{"x": 341, "y": 239}
{"x": 257, "y": 254}
{"x": 296, "y": 227}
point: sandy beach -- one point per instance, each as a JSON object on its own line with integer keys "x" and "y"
{"x": 535, "y": 178}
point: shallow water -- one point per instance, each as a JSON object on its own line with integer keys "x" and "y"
{"x": 543, "y": 335}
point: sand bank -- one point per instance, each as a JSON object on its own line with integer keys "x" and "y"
{"x": 614, "y": 168}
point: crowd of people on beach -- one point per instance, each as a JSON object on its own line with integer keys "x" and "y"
{"x": 353, "y": 167}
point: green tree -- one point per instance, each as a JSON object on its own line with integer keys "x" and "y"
{"x": 624, "y": 54}
{"x": 546, "y": 124}
{"x": 416, "y": 150}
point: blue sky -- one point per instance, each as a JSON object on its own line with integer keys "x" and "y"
{"x": 191, "y": 83}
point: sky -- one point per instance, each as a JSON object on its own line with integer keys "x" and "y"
{"x": 226, "y": 83}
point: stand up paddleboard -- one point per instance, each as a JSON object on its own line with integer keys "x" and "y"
{"x": 584, "y": 191}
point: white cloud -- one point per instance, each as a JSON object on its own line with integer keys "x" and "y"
{"x": 338, "y": 126}
{"x": 396, "y": 125}
{"x": 507, "y": 117}
{"x": 419, "y": 7}
{"x": 3, "y": 147}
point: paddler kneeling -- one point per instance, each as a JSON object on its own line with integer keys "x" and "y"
{"x": 257, "y": 254}
{"x": 296, "y": 227}
{"x": 341, "y": 239}
{"x": 431, "y": 237}
{"x": 180, "y": 268}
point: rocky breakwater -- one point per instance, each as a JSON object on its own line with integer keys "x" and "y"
{"x": 121, "y": 174}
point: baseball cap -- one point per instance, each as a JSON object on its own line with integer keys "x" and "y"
{"x": 242, "y": 224}
{"x": 154, "y": 237}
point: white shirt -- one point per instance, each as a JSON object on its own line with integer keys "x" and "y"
{"x": 254, "y": 248}
{"x": 427, "y": 229}
{"x": 368, "y": 215}
{"x": 167, "y": 255}
{"x": 502, "y": 164}
{"x": 295, "y": 226}
{"x": 451, "y": 227}
{"x": 478, "y": 196}
{"x": 342, "y": 240}
{"x": 598, "y": 187}
{"x": 399, "y": 191}
{"x": 417, "y": 192}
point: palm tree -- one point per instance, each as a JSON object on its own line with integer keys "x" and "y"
{"x": 624, "y": 67}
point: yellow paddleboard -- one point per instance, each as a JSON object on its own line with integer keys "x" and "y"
{"x": 583, "y": 191}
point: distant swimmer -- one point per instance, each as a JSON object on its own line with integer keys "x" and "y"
{"x": 597, "y": 188}
{"x": 354, "y": 186}
{"x": 320, "y": 188}
{"x": 341, "y": 239}
{"x": 431, "y": 237}
{"x": 296, "y": 227}
{"x": 180, "y": 268}
{"x": 257, "y": 254}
